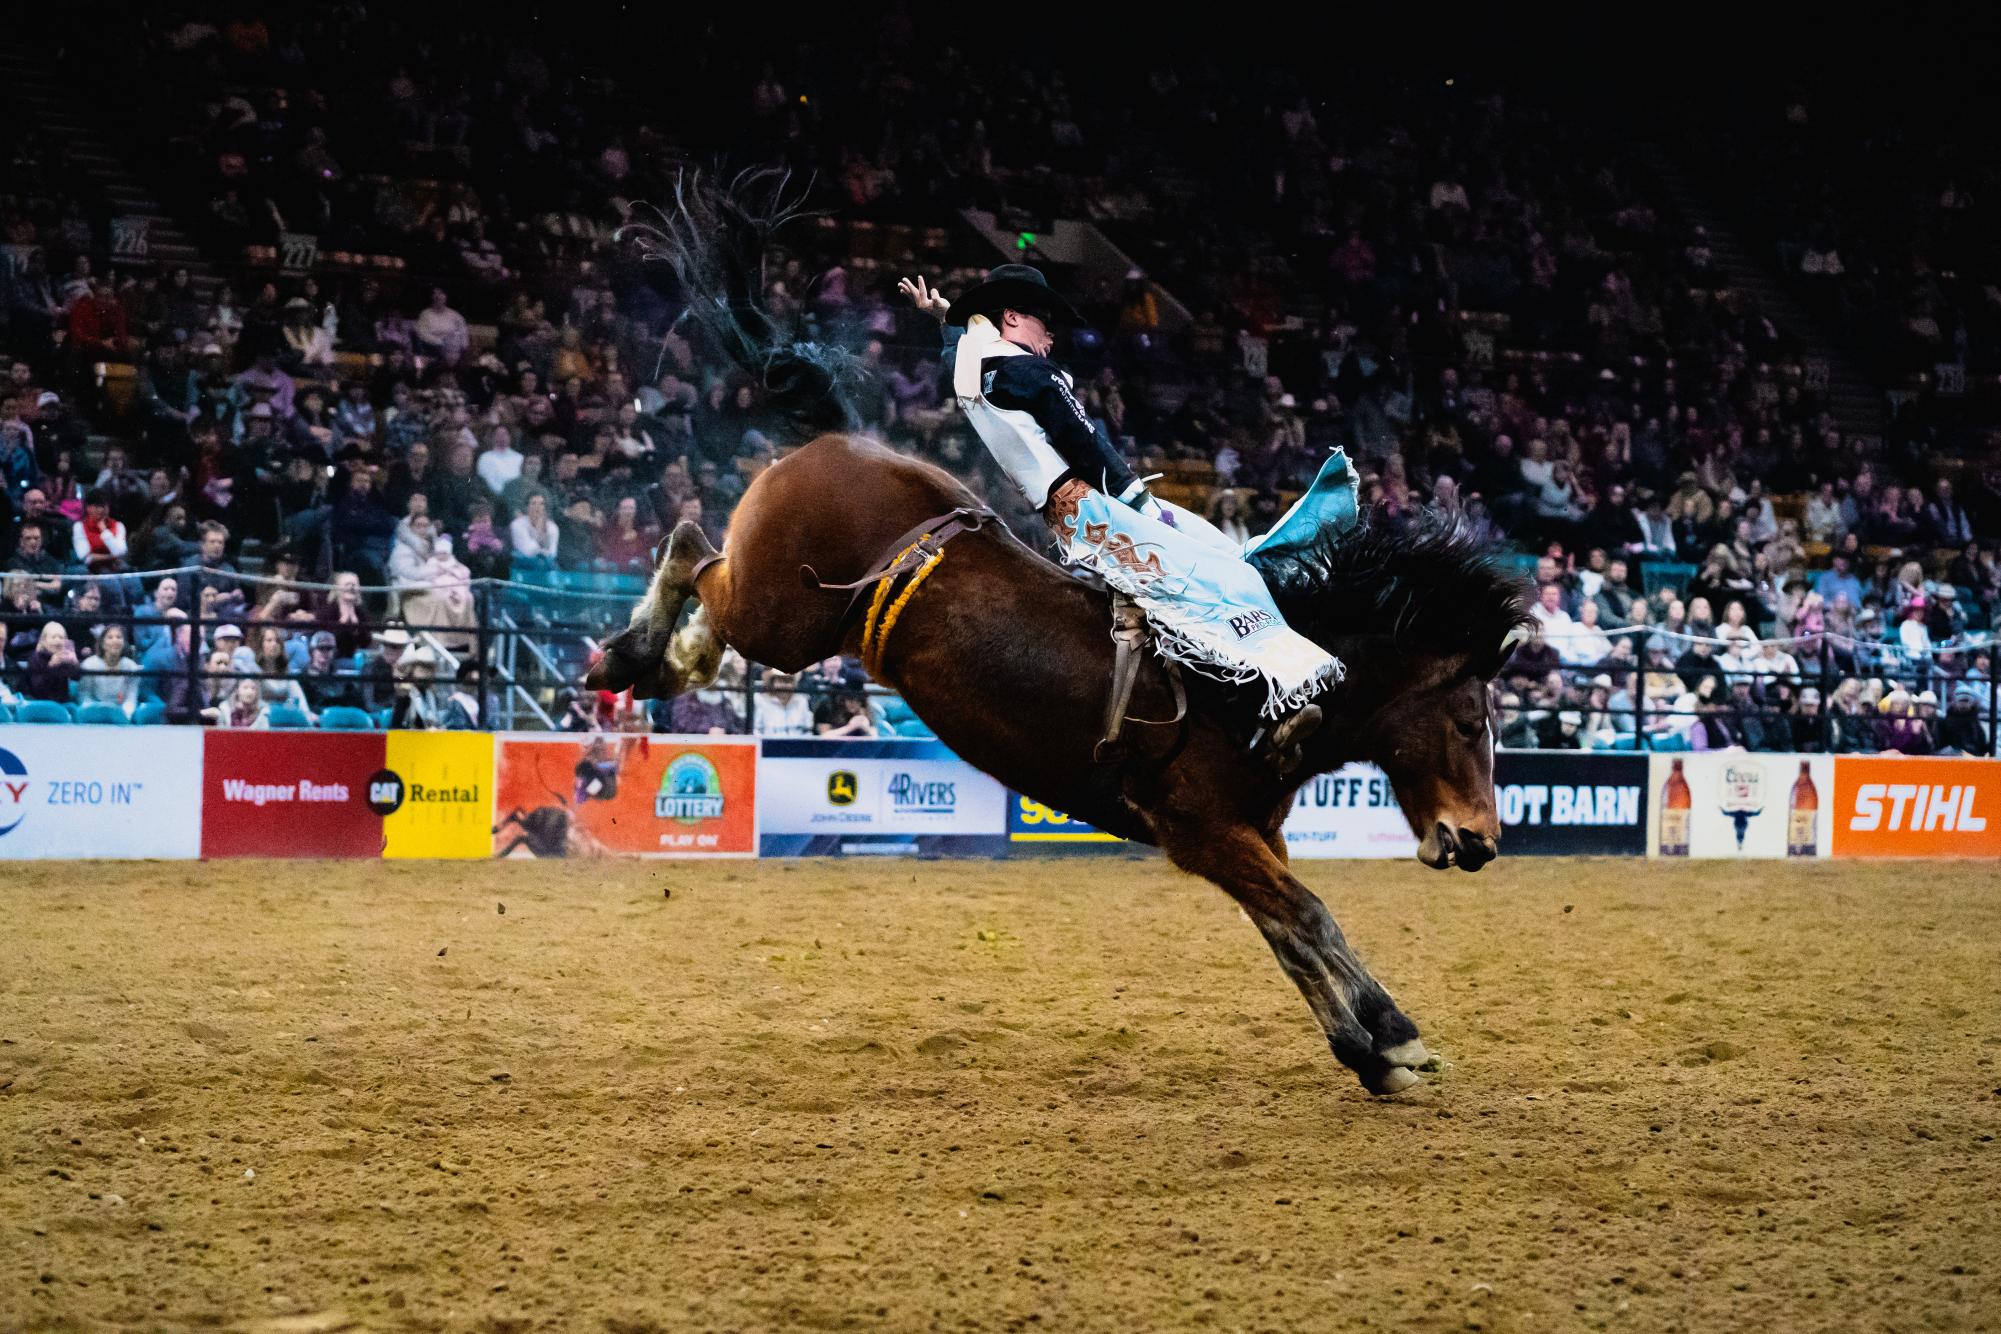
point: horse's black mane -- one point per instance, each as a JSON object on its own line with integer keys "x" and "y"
{"x": 1428, "y": 583}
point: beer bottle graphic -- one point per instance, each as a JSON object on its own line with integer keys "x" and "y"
{"x": 1802, "y": 816}
{"x": 1675, "y": 805}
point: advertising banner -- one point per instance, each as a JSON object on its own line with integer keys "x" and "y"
{"x": 829, "y": 796}
{"x": 435, "y": 794}
{"x": 1571, "y": 803}
{"x": 1739, "y": 804}
{"x": 290, "y": 794}
{"x": 1029, "y": 821}
{"x": 74, "y": 792}
{"x": 608, "y": 795}
{"x": 1888, "y": 806}
{"x": 1349, "y": 813}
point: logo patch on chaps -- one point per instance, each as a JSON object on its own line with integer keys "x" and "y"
{"x": 1251, "y": 622}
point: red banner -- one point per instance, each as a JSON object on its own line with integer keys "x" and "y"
{"x": 290, "y": 794}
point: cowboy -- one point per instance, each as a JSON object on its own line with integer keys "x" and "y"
{"x": 1210, "y": 610}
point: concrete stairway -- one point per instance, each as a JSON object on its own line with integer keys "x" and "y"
{"x": 52, "y": 106}
{"x": 1858, "y": 405}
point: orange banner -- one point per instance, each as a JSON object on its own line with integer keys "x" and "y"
{"x": 1887, "y": 806}
{"x": 610, "y": 795}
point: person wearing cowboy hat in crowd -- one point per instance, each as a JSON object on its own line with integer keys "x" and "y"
{"x": 1210, "y": 609}
{"x": 416, "y": 707}
{"x": 379, "y": 671}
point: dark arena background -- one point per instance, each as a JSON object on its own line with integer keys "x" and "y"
{"x": 363, "y": 969}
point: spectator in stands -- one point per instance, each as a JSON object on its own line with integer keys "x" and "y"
{"x": 53, "y": 668}
{"x": 320, "y": 681}
{"x": 1715, "y": 728}
{"x": 309, "y": 344}
{"x": 416, "y": 707}
{"x": 228, "y": 639}
{"x": 536, "y": 538}
{"x": 442, "y": 332}
{"x": 99, "y": 328}
{"x": 32, "y": 558}
{"x": 780, "y": 709}
{"x": 501, "y": 461}
{"x": 712, "y": 710}
{"x": 151, "y": 616}
{"x": 1961, "y": 731}
{"x": 1548, "y": 609}
{"x": 482, "y": 551}
{"x": 462, "y": 707}
{"x": 380, "y": 672}
{"x": 264, "y": 382}
{"x": 98, "y": 539}
{"x": 343, "y": 615}
{"x": 625, "y": 545}
{"x": 110, "y": 676}
{"x": 433, "y": 587}
{"x": 274, "y": 667}
{"x": 1582, "y": 643}
{"x": 241, "y": 706}
{"x": 214, "y": 571}
{"x": 164, "y": 670}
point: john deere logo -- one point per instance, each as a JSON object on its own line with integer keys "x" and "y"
{"x": 842, "y": 788}
{"x": 691, "y": 791}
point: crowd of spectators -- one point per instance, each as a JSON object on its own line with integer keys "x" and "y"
{"x": 1492, "y": 306}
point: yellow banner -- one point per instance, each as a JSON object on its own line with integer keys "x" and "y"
{"x": 435, "y": 795}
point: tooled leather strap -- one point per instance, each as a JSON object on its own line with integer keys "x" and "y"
{"x": 906, "y": 553}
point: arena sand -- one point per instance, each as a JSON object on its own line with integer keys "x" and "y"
{"x": 1067, "y": 1096}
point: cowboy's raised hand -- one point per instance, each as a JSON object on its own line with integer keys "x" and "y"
{"x": 924, "y": 297}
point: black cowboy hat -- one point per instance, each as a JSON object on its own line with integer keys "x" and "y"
{"x": 1012, "y": 287}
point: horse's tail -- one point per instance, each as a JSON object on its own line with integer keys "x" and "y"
{"x": 713, "y": 237}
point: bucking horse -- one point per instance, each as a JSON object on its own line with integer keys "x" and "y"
{"x": 844, "y": 546}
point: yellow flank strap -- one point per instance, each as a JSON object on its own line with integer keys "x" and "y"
{"x": 878, "y": 623}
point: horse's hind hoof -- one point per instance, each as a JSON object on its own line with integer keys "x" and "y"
{"x": 1395, "y": 1080}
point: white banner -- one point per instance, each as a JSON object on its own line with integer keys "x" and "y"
{"x": 1352, "y": 813}
{"x": 874, "y": 787}
{"x": 1740, "y": 804}
{"x": 77, "y": 792}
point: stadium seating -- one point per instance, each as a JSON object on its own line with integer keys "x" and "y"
{"x": 102, "y": 715}
{"x": 41, "y": 711}
{"x": 341, "y": 718}
{"x": 149, "y": 713}
{"x": 288, "y": 716}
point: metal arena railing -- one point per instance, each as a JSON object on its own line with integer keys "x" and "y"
{"x": 533, "y": 640}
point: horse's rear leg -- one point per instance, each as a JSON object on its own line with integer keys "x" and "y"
{"x": 1367, "y": 1031}
{"x": 649, "y": 656}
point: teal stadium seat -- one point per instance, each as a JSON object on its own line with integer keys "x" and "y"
{"x": 41, "y": 711}
{"x": 289, "y": 716}
{"x": 151, "y": 713}
{"x": 101, "y": 714}
{"x": 341, "y": 718}
{"x": 6, "y": 713}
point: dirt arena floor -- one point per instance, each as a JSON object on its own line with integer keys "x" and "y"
{"x": 1064, "y": 1096}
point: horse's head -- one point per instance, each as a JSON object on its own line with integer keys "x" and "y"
{"x": 1424, "y": 620}
{"x": 1433, "y": 735}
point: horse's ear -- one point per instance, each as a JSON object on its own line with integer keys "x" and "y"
{"x": 1489, "y": 666}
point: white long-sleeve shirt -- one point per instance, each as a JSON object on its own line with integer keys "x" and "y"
{"x": 528, "y": 543}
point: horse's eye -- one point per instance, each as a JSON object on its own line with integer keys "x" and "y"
{"x": 1470, "y": 731}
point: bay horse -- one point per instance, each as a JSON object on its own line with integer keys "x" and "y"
{"x": 1008, "y": 659}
